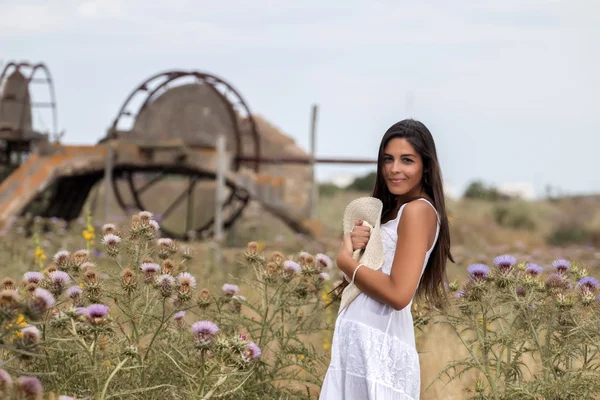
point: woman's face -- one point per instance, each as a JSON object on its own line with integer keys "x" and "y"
{"x": 402, "y": 168}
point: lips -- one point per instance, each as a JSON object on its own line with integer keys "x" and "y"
{"x": 397, "y": 180}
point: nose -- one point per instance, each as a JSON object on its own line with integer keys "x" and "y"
{"x": 396, "y": 167}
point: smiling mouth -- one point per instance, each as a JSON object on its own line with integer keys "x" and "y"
{"x": 397, "y": 180}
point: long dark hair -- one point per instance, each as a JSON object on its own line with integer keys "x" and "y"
{"x": 431, "y": 287}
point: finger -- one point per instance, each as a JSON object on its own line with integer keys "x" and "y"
{"x": 358, "y": 223}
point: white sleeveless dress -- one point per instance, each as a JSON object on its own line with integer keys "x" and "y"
{"x": 373, "y": 352}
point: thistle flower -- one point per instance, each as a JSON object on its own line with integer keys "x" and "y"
{"x": 127, "y": 277}
{"x": 252, "y": 248}
{"x": 145, "y": 216}
{"x": 30, "y": 388}
{"x": 561, "y": 265}
{"x": 80, "y": 256}
{"x": 30, "y": 335}
{"x": 90, "y": 276}
{"x": 43, "y": 298}
{"x": 8, "y": 283}
{"x": 556, "y": 281}
{"x": 111, "y": 239}
{"x": 291, "y": 268}
{"x": 35, "y": 277}
{"x": 59, "y": 280}
{"x": 478, "y": 271}
{"x": 87, "y": 265}
{"x": 149, "y": 270}
{"x": 229, "y": 290}
{"x": 6, "y": 381}
{"x": 204, "y": 333}
{"x": 460, "y": 294}
{"x": 533, "y": 270}
{"x": 74, "y": 293}
{"x": 112, "y": 242}
{"x": 303, "y": 255}
{"x": 204, "y": 298}
{"x": 96, "y": 313}
{"x": 62, "y": 259}
{"x": 154, "y": 225}
{"x": 324, "y": 276}
{"x": 165, "y": 283}
{"x": 109, "y": 229}
{"x": 168, "y": 266}
{"x": 323, "y": 261}
{"x": 520, "y": 292}
{"x": 179, "y": 315}
{"x": 588, "y": 283}
{"x": 252, "y": 352}
{"x": 276, "y": 256}
{"x": 505, "y": 262}
{"x": 186, "y": 282}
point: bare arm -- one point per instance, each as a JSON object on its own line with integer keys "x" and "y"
{"x": 416, "y": 230}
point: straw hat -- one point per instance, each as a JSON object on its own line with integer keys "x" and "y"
{"x": 367, "y": 209}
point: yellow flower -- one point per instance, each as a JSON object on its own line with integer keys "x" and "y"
{"x": 260, "y": 246}
{"x": 19, "y": 334}
{"x": 326, "y": 346}
{"x": 39, "y": 252}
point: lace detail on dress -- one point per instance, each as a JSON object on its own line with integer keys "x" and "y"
{"x": 382, "y": 359}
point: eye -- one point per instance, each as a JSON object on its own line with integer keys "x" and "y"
{"x": 387, "y": 159}
{"x": 408, "y": 160}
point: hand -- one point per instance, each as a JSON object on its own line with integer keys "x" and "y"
{"x": 360, "y": 236}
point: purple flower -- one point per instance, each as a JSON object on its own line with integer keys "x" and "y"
{"x": 323, "y": 261}
{"x": 187, "y": 279}
{"x": 33, "y": 277}
{"x": 62, "y": 257}
{"x": 229, "y": 289}
{"x": 31, "y": 334}
{"x": 150, "y": 267}
{"x": 44, "y": 297}
{"x": 74, "y": 292}
{"x": 505, "y": 262}
{"x": 588, "y": 283}
{"x": 561, "y": 265}
{"x": 291, "y": 267}
{"x": 6, "y": 381}
{"x": 460, "y": 294}
{"x": 204, "y": 333}
{"x": 324, "y": 276}
{"x": 30, "y": 387}
{"x": 111, "y": 239}
{"x": 533, "y": 269}
{"x": 478, "y": 271}
{"x": 252, "y": 351}
{"x": 95, "y": 313}
{"x": 59, "y": 278}
{"x": 179, "y": 315}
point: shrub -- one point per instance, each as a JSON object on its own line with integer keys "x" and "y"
{"x": 137, "y": 327}
{"x": 477, "y": 190}
{"x": 516, "y": 215}
{"x": 512, "y": 311}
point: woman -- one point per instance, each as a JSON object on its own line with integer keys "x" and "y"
{"x": 373, "y": 350}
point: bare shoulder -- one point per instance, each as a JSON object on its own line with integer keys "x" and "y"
{"x": 419, "y": 210}
{"x": 418, "y": 216}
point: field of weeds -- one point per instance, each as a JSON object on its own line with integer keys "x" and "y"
{"x": 110, "y": 309}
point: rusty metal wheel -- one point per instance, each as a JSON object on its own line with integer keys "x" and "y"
{"x": 194, "y": 107}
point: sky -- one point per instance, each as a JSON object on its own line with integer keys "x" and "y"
{"x": 508, "y": 88}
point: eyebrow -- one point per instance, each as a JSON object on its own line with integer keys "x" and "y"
{"x": 401, "y": 155}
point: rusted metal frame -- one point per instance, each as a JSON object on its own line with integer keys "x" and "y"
{"x": 299, "y": 160}
{"x": 49, "y": 80}
{"x": 189, "y": 221}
